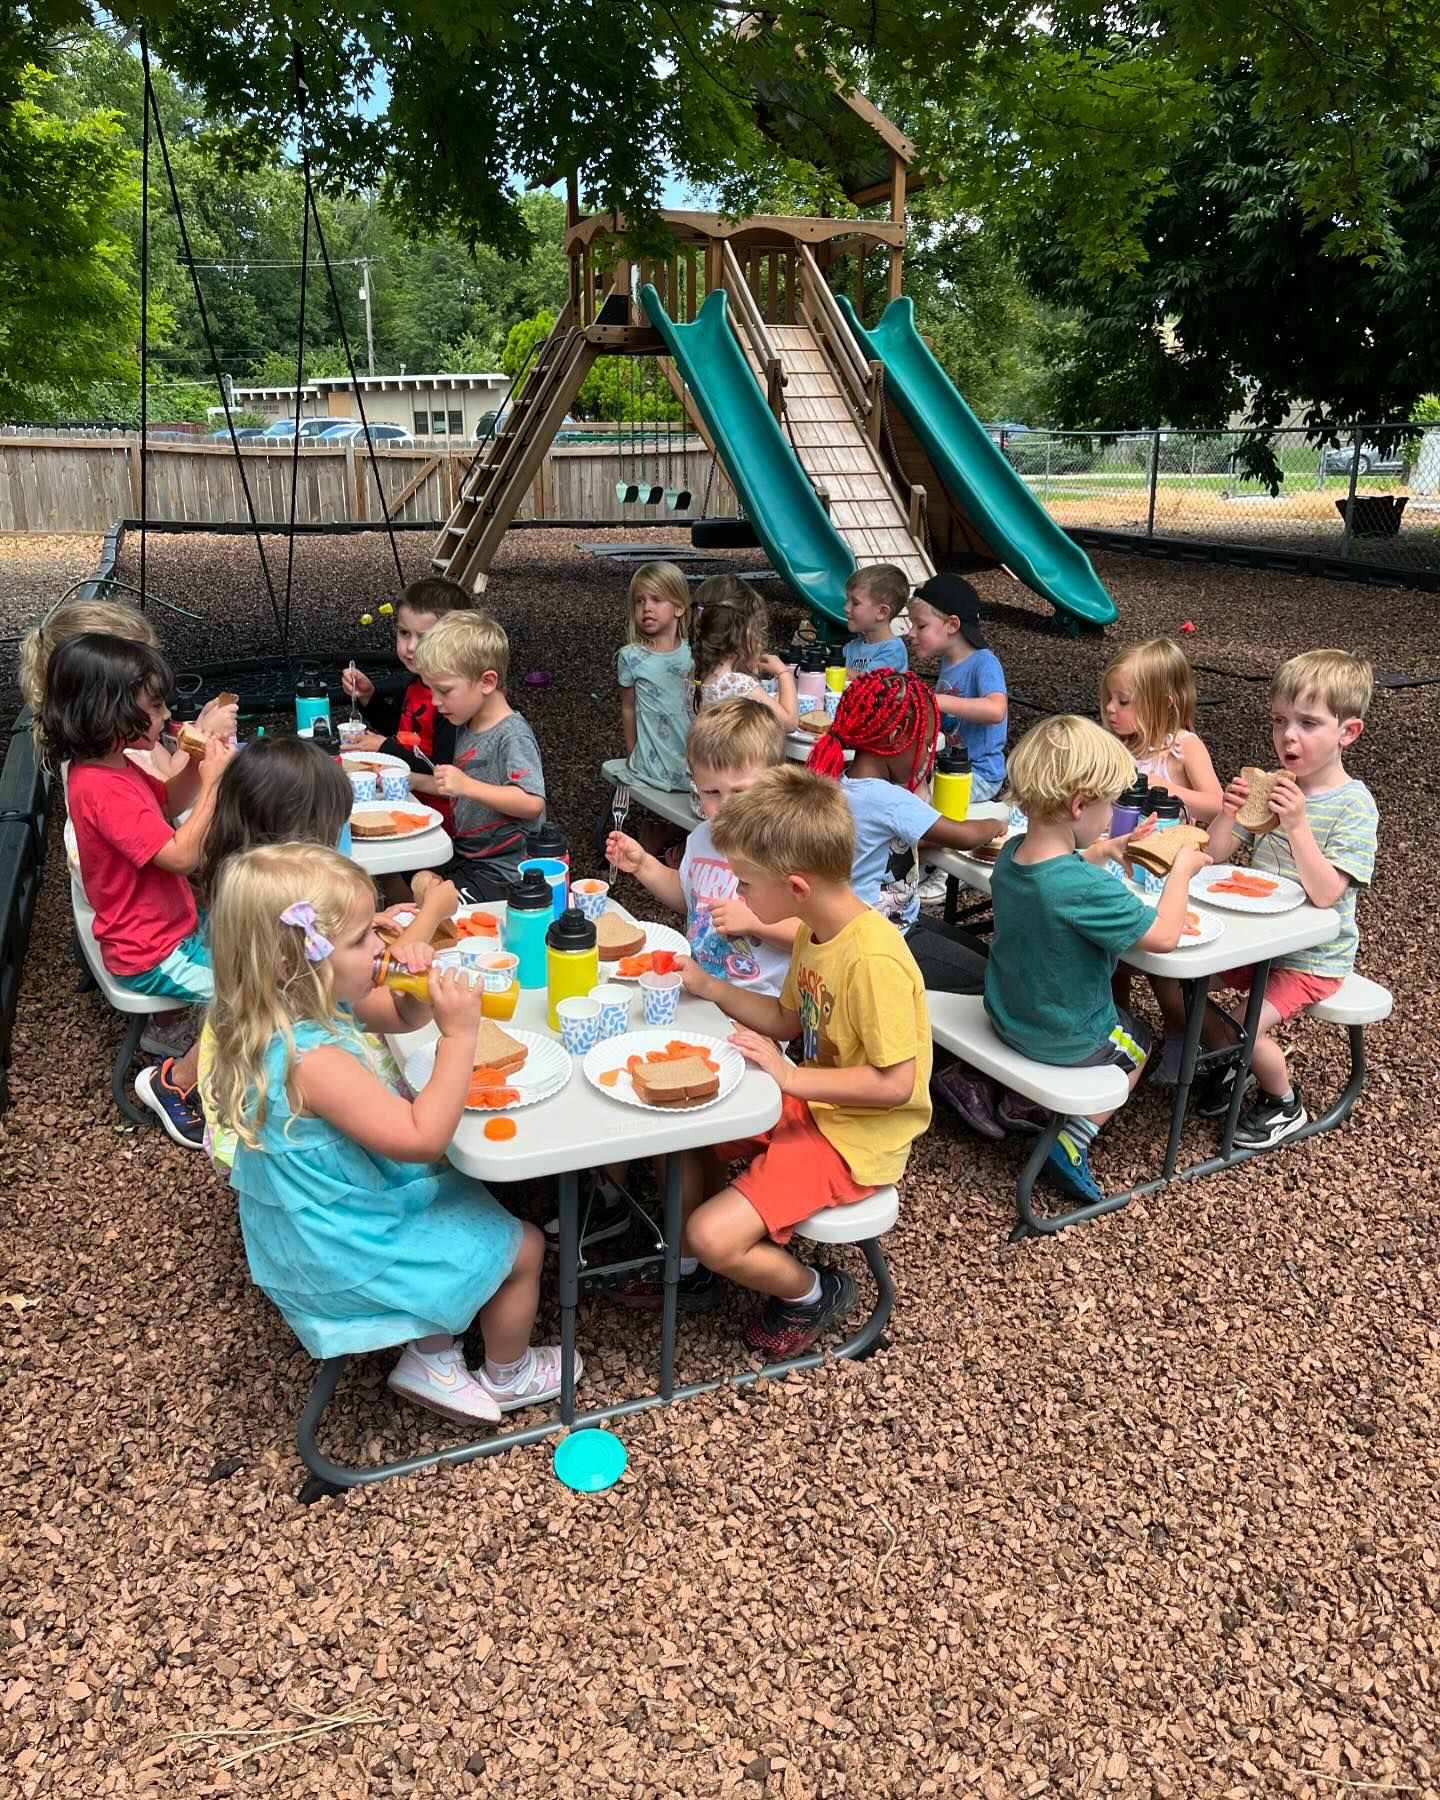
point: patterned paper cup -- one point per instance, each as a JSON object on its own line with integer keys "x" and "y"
{"x": 660, "y": 997}
{"x": 614, "y": 1003}
{"x": 362, "y": 783}
{"x": 497, "y": 969}
{"x": 579, "y": 1025}
{"x": 592, "y": 897}
{"x": 350, "y": 732}
{"x": 395, "y": 784}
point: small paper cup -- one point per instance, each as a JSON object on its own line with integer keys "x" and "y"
{"x": 833, "y": 697}
{"x": 395, "y": 784}
{"x": 455, "y": 959}
{"x": 592, "y": 897}
{"x": 660, "y": 998}
{"x": 362, "y": 784}
{"x": 497, "y": 969}
{"x": 579, "y": 1025}
{"x": 350, "y": 732}
{"x": 614, "y": 1003}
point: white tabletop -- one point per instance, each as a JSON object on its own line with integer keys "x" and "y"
{"x": 582, "y": 1128}
{"x": 397, "y": 856}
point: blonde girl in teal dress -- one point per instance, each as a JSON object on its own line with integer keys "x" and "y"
{"x": 657, "y": 678}
{"x": 352, "y": 1225}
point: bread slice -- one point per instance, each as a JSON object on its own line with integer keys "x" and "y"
{"x": 685, "y": 1082}
{"x": 1255, "y": 815}
{"x": 1158, "y": 851}
{"x": 227, "y": 699}
{"x": 815, "y": 723}
{"x": 616, "y": 936}
{"x": 372, "y": 825}
{"x": 496, "y": 1049}
{"x": 192, "y": 740}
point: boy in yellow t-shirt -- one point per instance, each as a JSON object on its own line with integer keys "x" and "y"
{"x": 852, "y": 1109}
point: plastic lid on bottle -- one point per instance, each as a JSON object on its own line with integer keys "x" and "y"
{"x": 1166, "y": 805}
{"x": 816, "y": 660}
{"x": 544, "y": 839}
{"x": 531, "y": 893}
{"x": 954, "y": 759}
{"x": 571, "y": 931}
{"x": 1137, "y": 794}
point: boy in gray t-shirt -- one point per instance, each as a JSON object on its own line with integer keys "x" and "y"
{"x": 496, "y": 780}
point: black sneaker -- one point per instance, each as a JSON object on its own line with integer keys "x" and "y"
{"x": 177, "y": 1110}
{"x": 783, "y": 1329}
{"x": 699, "y": 1292}
{"x": 1210, "y": 1096}
{"x": 606, "y": 1217}
{"x": 1268, "y": 1121}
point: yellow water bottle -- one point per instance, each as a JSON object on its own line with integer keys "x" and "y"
{"x": 572, "y": 961}
{"x": 950, "y": 795}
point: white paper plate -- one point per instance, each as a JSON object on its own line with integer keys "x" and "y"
{"x": 366, "y": 757}
{"x": 1287, "y": 896}
{"x": 546, "y": 1071}
{"x": 615, "y": 1052}
{"x": 412, "y": 806}
{"x": 495, "y": 908}
{"x": 1210, "y": 927}
{"x": 657, "y": 937}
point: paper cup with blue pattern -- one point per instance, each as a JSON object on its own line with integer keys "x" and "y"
{"x": 592, "y": 897}
{"x": 395, "y": 784}
{"x": 660, "y": 998}
{"x": 614, "y": 1003}
{"x": 579, "y": 1024}
{"x": 362, "y": 783}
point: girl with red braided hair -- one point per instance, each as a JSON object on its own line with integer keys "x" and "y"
{"x": 890, "y": 722}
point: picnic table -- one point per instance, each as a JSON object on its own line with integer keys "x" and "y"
{"x": 430, "y": 849}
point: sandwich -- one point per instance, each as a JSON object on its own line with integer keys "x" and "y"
{"x": 815, "y": 722}
{"x": 617, "y": 936}
{"x": 683, "y": 1082}
{"x": 192, "y": 740}
{"x": 1157, "y": 852}
{"x": 372, "y": 825}
{"x": 496, "y": 1049}
{"x": 227, "y": 699}
{"x": 1255, "y": 815}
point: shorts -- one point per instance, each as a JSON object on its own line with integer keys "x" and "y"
{"x": 1127, "y": 1048}
{"x": 793, "y": 1171}
{"x": 475, "y": 881}
{"x": 1289, "y": 991}
{"x": 185, "y": 974}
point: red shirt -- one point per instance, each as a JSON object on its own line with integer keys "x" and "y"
{"x": 418, "y": 714}
{"x": 141, "y": 912}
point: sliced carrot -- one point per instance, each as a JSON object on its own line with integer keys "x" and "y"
{"x": 500, "y": 1129}
{"x": 608, "y": 1077}
{"x": 632, "y": 1063}
{"x": 488, "y": 1078}
{"x": 676, "y": 1048}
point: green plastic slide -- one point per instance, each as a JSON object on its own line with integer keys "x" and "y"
{"x": 974, "y": 470}
{"x": 775, "y": 491}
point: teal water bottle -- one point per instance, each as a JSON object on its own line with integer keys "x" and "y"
{"x": 312, "y": 701}
{"x": 528, "y": 913}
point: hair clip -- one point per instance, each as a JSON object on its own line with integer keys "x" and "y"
{"x": 302, "y": 914}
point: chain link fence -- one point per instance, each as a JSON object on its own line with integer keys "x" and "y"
{"x": 1373, "y": 500}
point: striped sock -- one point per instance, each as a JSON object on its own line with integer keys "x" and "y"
{"x": 1080, "y": 1130}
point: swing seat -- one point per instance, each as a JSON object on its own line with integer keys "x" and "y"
{"x": 678, "y": 499}
{"x": 627, "y": 492}
{"x": 653, "y": 496}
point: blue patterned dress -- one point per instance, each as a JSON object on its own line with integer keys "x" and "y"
{"x": 664, "y": 684}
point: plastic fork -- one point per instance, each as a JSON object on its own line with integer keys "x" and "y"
{"x": 619, "y": 812}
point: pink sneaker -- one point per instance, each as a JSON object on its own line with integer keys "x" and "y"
{"x": 537, "y": 1383}
{"x": 439, "y": 1379}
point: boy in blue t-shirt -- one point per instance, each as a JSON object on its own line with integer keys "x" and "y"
{"x": 970, "y": 688}
{"x": 874, "y": 598}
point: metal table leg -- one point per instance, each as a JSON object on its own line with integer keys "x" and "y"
{"x": 1196, "y": 999}
{"x": 1259, "y": 975}
{"x": 674, "y": 1225}
{"x": 568, "y": 1284}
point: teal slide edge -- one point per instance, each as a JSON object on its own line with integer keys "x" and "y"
{"x": 775, "y": 491}
{"x": 974, "y": 470}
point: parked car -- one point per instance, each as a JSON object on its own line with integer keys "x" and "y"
{"x": 282, "y": 431}
{"x": 1370, "y": 461}
{"x": 493, "y": 423}
{"x": 396, "y": 436}
{"x": 243, "y": 434}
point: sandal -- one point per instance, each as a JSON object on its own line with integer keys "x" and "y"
{"x": 537, "y": 1383}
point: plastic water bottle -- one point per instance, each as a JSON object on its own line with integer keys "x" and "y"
{"x": 572, "y": 961}
{"x": 312, "y": 702}
{"x": 528, "y": 914}
{"x": 950, "y": 794}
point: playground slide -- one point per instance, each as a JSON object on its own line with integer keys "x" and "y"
{"x": 974, "y": 470}
{"x": 775, "y": 491}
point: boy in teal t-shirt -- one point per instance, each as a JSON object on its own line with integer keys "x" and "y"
{"x": 1062, "y": 923}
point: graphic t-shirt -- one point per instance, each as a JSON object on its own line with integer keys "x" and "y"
{"x": 141, "y": 912}
{"x": 863, "y": 659}
{"x": 663, "y": 686}
{"x": 706, "y": 877}
{"x": 1343, "y": 823}
{"x": 861, "y": 1003}
{"x": 978, "y": 675}
{"x": 889, "y": 822}
{"x": 505, "y": 755}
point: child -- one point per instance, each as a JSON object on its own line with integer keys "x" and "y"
{"x": 654, "y": 668}
{"x": 853, "y": 1107}
{"x": 422, "y": 605}
{"x": 874, "y": 597}
{"x": 889, "y": 721}
{"x": 496, "y": 780}
{"x": 970, "y": 688}
{"x": 103, "y": 696}
{"x": 1062, "y": 923}
{"x": 1326, "y": 842}
{"x": 729, "y": 647}
{"x": 1147, "y": 700}
{"x": 352, "y": 1226}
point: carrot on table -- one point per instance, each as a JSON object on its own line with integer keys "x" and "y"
{"x": 608, "y": 1077}
{"x": 500, "y": 1129}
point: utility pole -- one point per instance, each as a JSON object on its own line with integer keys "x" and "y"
{"x": 369, "y": 321}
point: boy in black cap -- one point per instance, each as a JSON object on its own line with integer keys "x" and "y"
{"x": 970, "y": 688}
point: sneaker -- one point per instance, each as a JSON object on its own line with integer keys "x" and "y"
{"x": 701, "y": 1291}
{"x": 439, "y": 1380}
{"x": 1068, "y": 1166}
{"x": 178, "y": 1111}
{"x": 168, "y": 1034}
{"x": 1167, "y": 1063}
{"x": 606, "y": 1217}
{"x": 537, "y": 1384}
{"x": 783, "y": 1329}
{"x": 970, "y": 1095}
{"x": 1019, "y": 1115}
{"x": 932, "y": 888}
{"x": 1268, "y": 1121}
{"x": 1211, "y": 1096}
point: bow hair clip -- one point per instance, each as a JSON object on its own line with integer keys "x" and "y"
{"x": 302, "y": 914}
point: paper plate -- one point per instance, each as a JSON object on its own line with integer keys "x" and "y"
{"x": 547, "y": 1069}
{"x": 1208, "y": 929}
{"x": 615, "y": 1052}
{"x": 364, "y": 759}
{"x": 1287, "y": 896}
{"x": 412, "y": 806}
{"x": 657, "y": 937}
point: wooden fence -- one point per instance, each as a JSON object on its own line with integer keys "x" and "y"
{"x": 59, "y": 483}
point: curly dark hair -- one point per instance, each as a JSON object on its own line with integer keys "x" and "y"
{"x": 95, "y": 689}
{"x": 438, "y": 595}
{"x": 280, "y": 790}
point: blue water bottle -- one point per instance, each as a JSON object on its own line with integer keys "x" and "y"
{"x": 527, "y": 918}
{"x": 312, "y": 702}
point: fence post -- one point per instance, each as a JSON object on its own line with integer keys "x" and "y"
{"x": 1049, "y": 440}
{"x": 1350, "y": 497}
{"x": 1154, "y": 480}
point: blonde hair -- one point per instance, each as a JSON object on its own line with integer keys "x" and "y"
{"x": 1163, "y": 693}
{"x": 790, "y": 823}
{"x": 882, "y": 583}
{"x": 1062, "y": 757}
{"x": 263, "y": 983}
{"x": 70, "y": 619}
{"x": 467, "y": 644}
{"x": 1344, "y": 682}
{"x": 730, "y": 626}
{"x": 736, "y": 734}
{"x": 665, "y": 582}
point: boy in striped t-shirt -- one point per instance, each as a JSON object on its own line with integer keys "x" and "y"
{"x": 1326, "y": 842}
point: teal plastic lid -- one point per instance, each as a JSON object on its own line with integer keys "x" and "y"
{"x": 590, "y": 1460}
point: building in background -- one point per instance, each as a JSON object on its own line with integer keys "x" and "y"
{"x": 427, "y": 406}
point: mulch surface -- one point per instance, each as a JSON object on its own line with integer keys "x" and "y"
{"x": 1145, "y": 1509}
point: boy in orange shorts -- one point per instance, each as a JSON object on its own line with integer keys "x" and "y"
{"x": 858, "y": 1100}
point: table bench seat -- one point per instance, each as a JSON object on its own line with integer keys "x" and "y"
{"x": 136, "y": 1008}
{"x": 1357, "y": 1001}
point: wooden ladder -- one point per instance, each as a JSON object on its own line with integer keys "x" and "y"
{"x": 496, "y": 482}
